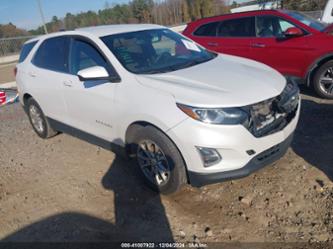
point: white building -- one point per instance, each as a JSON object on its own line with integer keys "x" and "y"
{"x": 328, "y": 12}
{"x": 268, "y": 5}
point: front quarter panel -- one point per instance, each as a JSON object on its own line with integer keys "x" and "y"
{"x": 322, "y": 50}
{"x": 137, "y": 103}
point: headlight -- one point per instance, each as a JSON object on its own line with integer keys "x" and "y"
{"x": 227, "y": 116}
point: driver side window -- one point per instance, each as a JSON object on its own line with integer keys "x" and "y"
{"x": 271, "y": 26}
{"x": 285, "y": 25}
{"x": 84, "y": 55}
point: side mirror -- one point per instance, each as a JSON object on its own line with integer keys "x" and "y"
{"x": 93, "y": 73}
{"x": 293, "y": 32}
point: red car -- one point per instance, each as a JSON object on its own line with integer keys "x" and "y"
{"x": 296, "y": 45}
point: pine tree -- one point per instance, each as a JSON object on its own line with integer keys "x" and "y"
{"x": 185, "y": 11}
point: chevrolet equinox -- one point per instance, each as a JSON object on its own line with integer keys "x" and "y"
{"x": 187, "y": 115}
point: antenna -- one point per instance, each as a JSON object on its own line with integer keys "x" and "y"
{"x": 42, "y": 15}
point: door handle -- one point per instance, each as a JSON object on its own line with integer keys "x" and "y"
{"x": 32, "y": 74}
{"x": 212, "y": 44}
{"x": 67, "y": 83}
{"x": 258, "y": 45}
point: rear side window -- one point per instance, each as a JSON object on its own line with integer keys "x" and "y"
{"x": 26, "y": 50}
{"x": 53, "y": 54}
{"x": 241, "y": 27}
{"x": 208, "y": 29}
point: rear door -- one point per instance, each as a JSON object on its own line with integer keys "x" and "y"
{"x": 235, "y": 36}
{"x": 287, "y": 55}
{"x": 230, "y": 36}
{"x": 205, "y": 35}
{"x": 46, "y": 74}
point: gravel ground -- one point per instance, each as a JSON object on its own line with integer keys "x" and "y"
{"x": 64, "y": 189}
{"x": 7, "y": 73}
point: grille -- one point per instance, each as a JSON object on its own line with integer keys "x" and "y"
{"x": 275, "y": 114}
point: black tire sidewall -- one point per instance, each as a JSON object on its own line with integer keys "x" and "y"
{"x": 316, "y": 82}
{"x": 32, "y": 102}
{"x": 176, "y": 163}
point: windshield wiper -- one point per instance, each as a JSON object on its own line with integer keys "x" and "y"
{"x": 194, "y": 62}
{"x": 160, "y": 70}
{"x": 176, "y": 67}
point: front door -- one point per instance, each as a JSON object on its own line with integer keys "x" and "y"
{"x": 287, "y": 55}
{"x": 90, "y": 103}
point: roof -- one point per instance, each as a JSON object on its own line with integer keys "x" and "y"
{"x": 102, "y": 30}
{"x": 117, "y": 29}
{"x": 237, "y": 14}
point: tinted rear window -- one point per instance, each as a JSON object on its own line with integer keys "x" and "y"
{"x": 53, "y": 54}
{"x": 26, "y": 50}
{"x": 241, "y": 27}
{"x": 208, "y": 29}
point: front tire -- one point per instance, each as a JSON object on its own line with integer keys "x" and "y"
{"x": 159, "y": 161}
{"x": 323, "y": 81}
{"x": 38, "y": 120}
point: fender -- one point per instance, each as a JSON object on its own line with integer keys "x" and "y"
{"x": 322, "y": 59}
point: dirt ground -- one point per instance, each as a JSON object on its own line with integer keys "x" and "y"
{"x": 64, "y": 189}
{"x": 7, "y": 73}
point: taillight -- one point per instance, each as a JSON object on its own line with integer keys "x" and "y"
{"x": 2, "y": 97}
{"x": 15, "y": 71}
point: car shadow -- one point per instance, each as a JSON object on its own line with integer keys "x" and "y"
{"x": 67, "y": 227}
{"x": 313, "y": 139}
{"x": 138, "y": 210}
{"x": 139, "y": 215}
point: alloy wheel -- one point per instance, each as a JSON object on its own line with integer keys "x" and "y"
{"x": 36, "y": 119}
{"x": 153, "y": 162}
{"x": 326, "y": 81}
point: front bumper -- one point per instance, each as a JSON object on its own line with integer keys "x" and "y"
{"x": 233, "y": 144}
{"x": 263, "y": 159}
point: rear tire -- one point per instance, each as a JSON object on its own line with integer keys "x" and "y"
{"x": 323, "y": 81}
{"x": 159, "y": 161}
{"x": 38, "y": 121}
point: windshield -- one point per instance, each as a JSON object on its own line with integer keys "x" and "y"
{"x": 155, "y": 51}
{"x": 307, "y": 20}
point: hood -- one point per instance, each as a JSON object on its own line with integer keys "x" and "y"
{"x": 226, "y": 81}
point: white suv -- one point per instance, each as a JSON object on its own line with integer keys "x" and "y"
{"x": 186, "y": 114}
